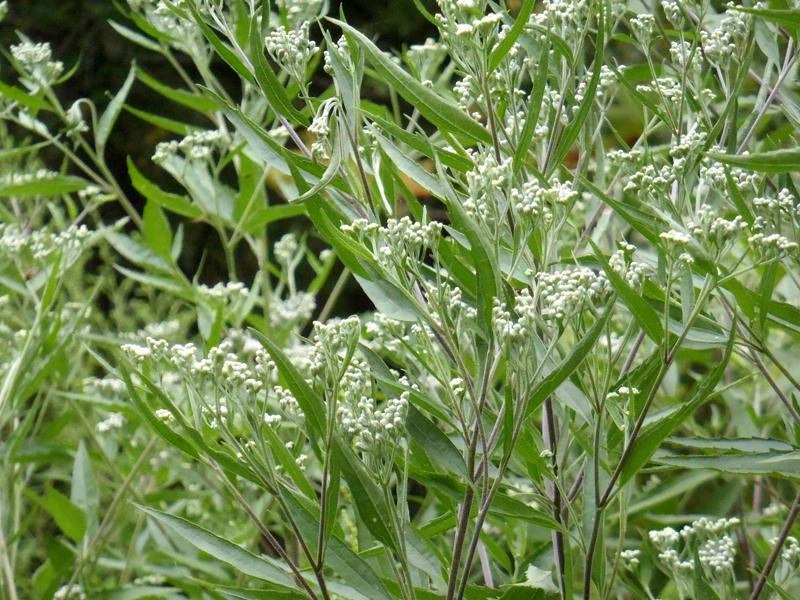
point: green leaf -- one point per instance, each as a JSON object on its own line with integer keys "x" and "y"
{"x": 157, "y": 231}
{"x": 310, "y": 402}
{"x": 785, "y": 18}
{"x": 180, "y": 205}
{"x": 24, "y": 98}
{"x": 500, "y": 51}
{"x": 576, "y": 124}
{"x": 112, "y": 111}
{"x": 178, "y": 127}
{"x": 654, "y": 434}
{"x": 435, "y": 443}
{"x": 269, "y": 83}
{"x": 433, "y": 107}
{"x": 84, "y": 488}
{"x": 135, "y": 252}
{"x": 270, "y": 214}
{"x": 225, "y": 53}
{"x": 408, "y": 166}
{"x": 534, "y": 107}
{"x": 779, "y": 464}
{"x": 566, "y": 367}
{"x": 339, "y": 557}
{"x": 752, "y": 445}
{"x": 776, "y": 161}
{"x": 192, "y": 100}
{"x": 69, "y": 517}
{"x": 288, "y": 462}
{"x": 243, "y": 561}
{"x": 46, "y": 186}
{"x": 644, "y": 314}
{"x": 135, "y": 37}
{"x": 368, "y": 497}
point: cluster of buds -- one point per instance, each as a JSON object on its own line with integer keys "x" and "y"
{"x": 197, "y": 146}
{"x": 292, "y": 49}
{"x": 36, "y": 62}
{"x": 565, "y": 293}
{"x": 369, "y": 428}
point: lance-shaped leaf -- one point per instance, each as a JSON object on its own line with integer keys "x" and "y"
{"x": 644, "y": 314}
{"x": 653, "y": 435}
{"x": 243, "y": 561}
{"x": 777, "y": 161}
{"x": 310, "y": 402}
{"x": 567, "y": 367}
{"x": 500, "y": 51}
{"x": 113, "y": 109}
{"x": 442, "y": 113}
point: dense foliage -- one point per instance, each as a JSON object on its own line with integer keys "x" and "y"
{"x": 578, "y": 224}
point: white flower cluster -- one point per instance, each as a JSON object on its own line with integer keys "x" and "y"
{"x": 223, "y": 292}
{"x": 400, "y": 243}
{"x": 39, "y": 245}
{"x": 199, "y": 145}
{"x": 300, "y": 11}
{"x": 66, "y": 592}
{"x": 426, "y": 58}
{"x": 562, "y": 16}
{"x": 642, "y": 27}
{"x": 566, "y": 293}
{"x": 106, "y": 385}
{"x": 668, "y": 88}
{"x": 714, "y": 230}
{"x": 622, "y": 262}
{"x": 486, "y": 202}
{"x": 370, "y": 428}
{"x": 652, "y": 181}
{"x": 292, "y": 49}
{"x": 716, "y": 551}
{"x": 321, "y": 129}
{"x": 785, "y": 202}
{"x": 286, "y": 248}
{"x": 114, "y": 421}
{"x": 673, "y": 13}
{"x": 722, "y": 43}
{"x": 682, "y": 56}
{"x": 289, "y": 406}
{"x": 713, "y": 173}
{"x": 36, "y": 61}
{"x": 771, "y": 244}
{"x": 14, "y": 179}
{"x": 384, "y": 334}
{"x": 295, "y": 308}
{"x": 791, "y": 549}
{"x": 343, "y": 51}
{"x": 630, "y": 558}
{"x": 448, "y": 306}
{"x": 158, "y": 14}
{"x": 333, "y": 341}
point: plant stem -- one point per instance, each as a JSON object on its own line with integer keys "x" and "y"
{"x": 776, "y": 549}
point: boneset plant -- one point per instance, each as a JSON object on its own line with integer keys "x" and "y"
{"x": 578, "y": 224}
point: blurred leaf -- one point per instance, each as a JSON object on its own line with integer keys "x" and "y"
{"x": 135, "y": 252}
{"x": 776, "y": 161}
{"x": 435, "y": 443}
{"x": 69, "y": 517}
{"x": 46, "y": 186}
{"x": 157, "y": 231}
{"x": 85, "y": 494}
{"x": 133, "y": 36}
{"x": 24, "y": 98}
